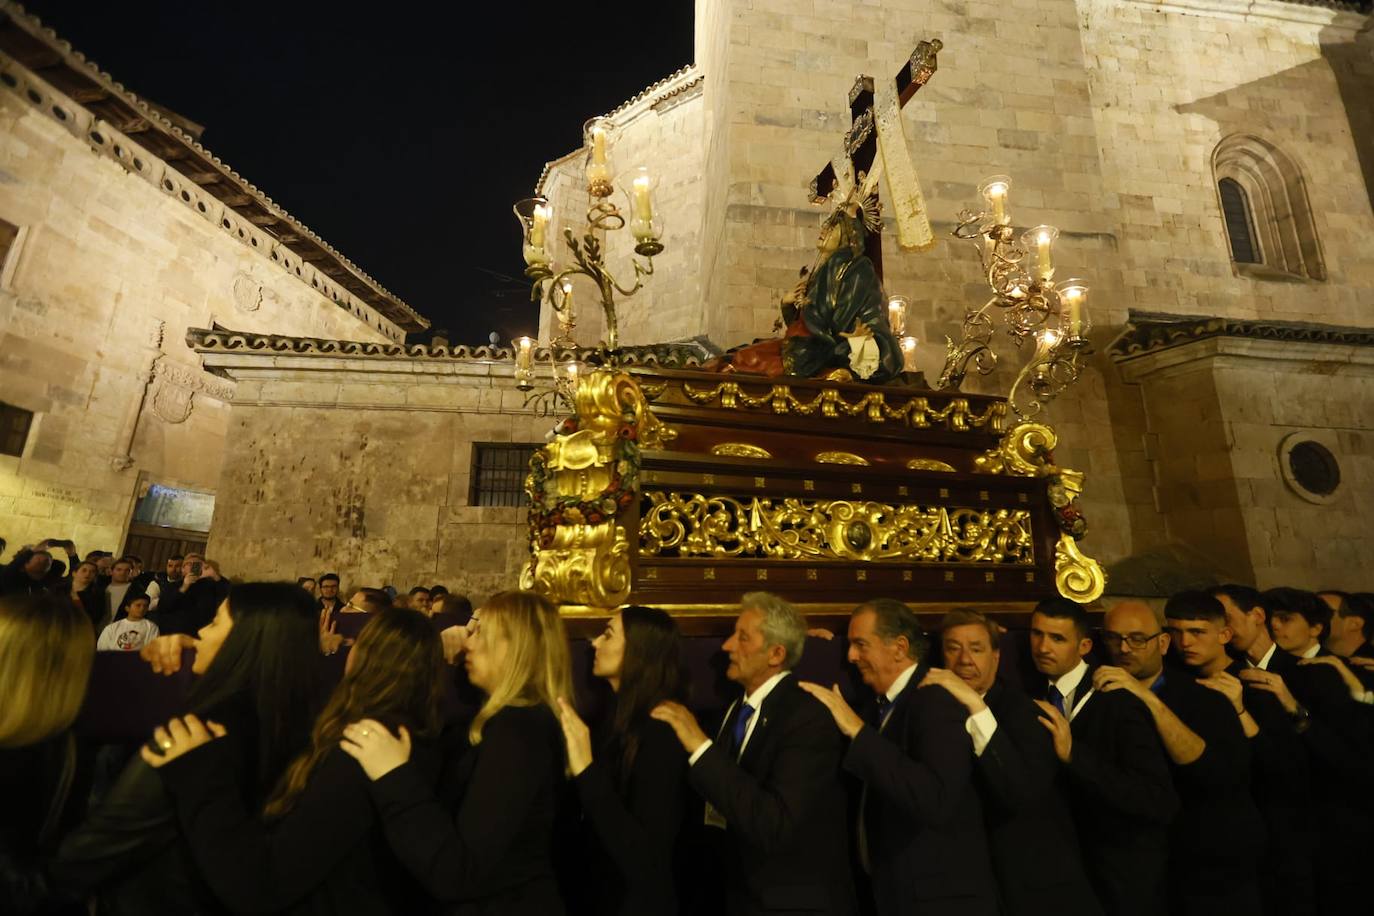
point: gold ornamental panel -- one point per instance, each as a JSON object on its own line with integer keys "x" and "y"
{"x": 695, "y": 525}
{"x": 1077, "y": 576}
{"x": 928, "y": 464}
{"x": 916, "y": 412}
{"x": 841, "y": 458}
{"x": 739, "y": 450}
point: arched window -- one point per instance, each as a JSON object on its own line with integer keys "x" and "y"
{"x": 1264, "y": 205}
{"x": 1235, "y": 209}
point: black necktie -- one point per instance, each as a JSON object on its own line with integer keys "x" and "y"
{"x": 1057, "y": 699}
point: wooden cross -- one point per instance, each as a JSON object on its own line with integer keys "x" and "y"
{"x": 861, "y": 140}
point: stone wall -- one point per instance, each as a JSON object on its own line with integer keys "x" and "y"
{"x": 363, "y": 466}
{"x": 96, "y": 293}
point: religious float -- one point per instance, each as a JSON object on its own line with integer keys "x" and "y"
{"x": 818, "y": 465}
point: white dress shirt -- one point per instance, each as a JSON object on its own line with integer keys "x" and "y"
{"x": 1312, "y": 650}
{"x": 1069, "y": 686}
{"x": 755, "y": 701}
{"x": 898, "y": 685}
{"x": 1264, "y": 662}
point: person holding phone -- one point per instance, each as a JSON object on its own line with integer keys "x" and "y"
{"x": 192, "y": 605}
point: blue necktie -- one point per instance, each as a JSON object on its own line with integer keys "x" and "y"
{"x": 880, "y": 712}
{"x": 1057, "y": 699}
{"x": 746, "y": 712}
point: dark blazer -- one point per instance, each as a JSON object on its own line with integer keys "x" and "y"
{"x": 920, "y": 812}
{"x": 188, "y": 611}
{"x": 784, "y": 803}
{"x": 1207, "y": 876}
{"x": 635, "y": 825}
{"x": 326, "y": 855}
{"x": 1281, "y": 784}
{"x": 1117, "y": 782}
{"x": 484, "y": 844}
{"x": 1031, "y": 835}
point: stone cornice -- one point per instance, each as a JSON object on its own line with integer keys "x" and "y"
{"x": 1154, "y": 343}
{"x": 1146, "y": 332}
{"x": 59, "y": 81}
{"x": 1343, "y": 17}
{"x": 221, "y": 341}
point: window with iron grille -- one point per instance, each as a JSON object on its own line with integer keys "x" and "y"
{"x": 14, "y": 429}
{"x": 1235, "y": 208}
{"x": 498, "y": 473}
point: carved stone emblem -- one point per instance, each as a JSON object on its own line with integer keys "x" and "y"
{"x": 171, "y": 402}
{"x": 247, "y": 293}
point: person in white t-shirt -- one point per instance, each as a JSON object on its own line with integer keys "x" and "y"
{"x": 130, "y": 633}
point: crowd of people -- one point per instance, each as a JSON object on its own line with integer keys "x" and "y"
{"x": 1207, "y": 756}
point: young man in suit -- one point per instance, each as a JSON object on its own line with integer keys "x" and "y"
{"x": 1348, "y": 640}
{"x": 771, "y": 776}
{"x": 1031, "y": 836}
{"x": 1113, "y": 768}
{"x": 920, "y": 825}
{"x": 1280, "y": 778}
{"x": 1209, "y": 758}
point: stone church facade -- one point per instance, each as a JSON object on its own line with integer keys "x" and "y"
{"x": 1226, "y": 423}
{"x": 119, "y": 231}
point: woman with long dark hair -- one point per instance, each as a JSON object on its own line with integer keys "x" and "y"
{"x": 258, "y": 663}
{"x": 317, "y": 847}
{"x": 484, "y": 844}
{"x": 85, "y": 592}
{"x": 634, "y": 787}
{"x": 46, "y": 648}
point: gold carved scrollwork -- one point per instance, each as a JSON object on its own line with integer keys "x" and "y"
{"x": 580, "y": 550}
{"x": 916, "y": 412}
{"x": 1077, "y": 576}
{"x": 695, "y": 525}
{"x": 1023, "y": 452}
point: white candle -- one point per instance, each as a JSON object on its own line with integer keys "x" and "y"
{"x": 1046, "y": 341}
{"x": 644, "y": 209}
{"x": 599, "y": 145}
{"x": 908, "y": 345}
{"x": 524, "y": 353}
{"x": 567, "y": 313}
{"x": 997, "y": 194}
{"x": 538, "y": 223}
{"x": 1042, "y": 255}
{"x": 896, "y": 314}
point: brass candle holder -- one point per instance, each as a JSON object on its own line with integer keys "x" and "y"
{"x": 1020, "y": 273}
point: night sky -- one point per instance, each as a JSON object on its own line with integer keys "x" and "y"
{"x": 400, "y": 135}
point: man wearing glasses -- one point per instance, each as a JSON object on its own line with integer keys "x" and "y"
{"x": 1209, "y": 759}
{"x": 1113, "y": 771}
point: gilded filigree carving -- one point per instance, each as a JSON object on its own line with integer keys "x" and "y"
{"x": 695, "y": 525}
{"x": 1077, "y": 576}
{"x": 739, "y": 450}
{"x": 916, "y": 412}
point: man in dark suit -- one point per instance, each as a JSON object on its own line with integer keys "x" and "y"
{"x": 920, "y": 825}
{"x": 1031, "y": 836}
{"x": 1209, "y": 757}
{"x": 1114, "y": 771}
{"x": 1351, "y": 629}
{"x": 1337, "y": 733}
{"x": 1280, "y": 776}
{"x": 771, "y": 777}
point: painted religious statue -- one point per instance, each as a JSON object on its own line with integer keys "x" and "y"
{"x": 836, "y": 317}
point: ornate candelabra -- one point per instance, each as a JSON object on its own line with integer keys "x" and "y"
{"x": 560, "y": 397}
{"x": 552, "y": 283}
{"x": 1029, "y": 301}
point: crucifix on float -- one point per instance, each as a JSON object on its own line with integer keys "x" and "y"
{"x": 875, "y": 142}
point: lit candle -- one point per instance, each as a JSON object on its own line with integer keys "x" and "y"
{"x": 997, "y": 196}
{"x": 524, "y": 354}
{"x": 1074, "y": 296}
{"x": 896, "y": 314}
{"x": 568, "y": 312}
{"x": 1046, "y": 341}
{"x": 644, "y": 208}
{"x": 538, "y": 223}
{"x": 1042, "y": 254}
{"x": 571, "y": 369}
{"x": 599, "y": 145}
{"x": 908, "y": 345}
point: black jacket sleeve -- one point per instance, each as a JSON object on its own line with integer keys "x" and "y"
{"x": 767, "y": 812}
{"x": 1131, "y": 774}
{"x": 134, "y": 822}
{"x": 453, "y": 856}
{"x": 253, "y": 866}
{"x": 1018, "y": 766}
{"x": 640, "y": 829}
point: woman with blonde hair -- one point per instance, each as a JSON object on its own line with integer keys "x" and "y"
{"x": 484, "y": 843}
{"x": 46, "y": 650}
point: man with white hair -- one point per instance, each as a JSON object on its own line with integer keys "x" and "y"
{"x": 771, "y": 776}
